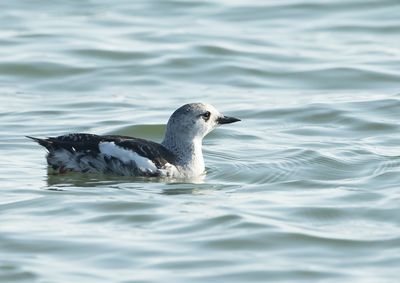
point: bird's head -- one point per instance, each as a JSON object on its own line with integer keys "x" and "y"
{"x": 195, "y": 120}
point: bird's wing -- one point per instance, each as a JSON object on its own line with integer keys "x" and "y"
{"x": 157, "y": 153}
{"x": 124, "y": 148}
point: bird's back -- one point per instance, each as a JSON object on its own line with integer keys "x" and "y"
{"x": 108, "y": 154}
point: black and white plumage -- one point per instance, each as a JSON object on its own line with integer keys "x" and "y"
{"x": 179, "y": 155}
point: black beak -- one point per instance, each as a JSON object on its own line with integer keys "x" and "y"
{"x": 227, "y": 120}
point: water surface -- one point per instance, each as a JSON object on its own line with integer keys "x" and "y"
{"x": 304, "y": 189}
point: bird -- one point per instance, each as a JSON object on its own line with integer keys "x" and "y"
{"x": 179, "y": 155}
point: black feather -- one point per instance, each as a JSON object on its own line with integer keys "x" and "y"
{"x": 89, "y": 144}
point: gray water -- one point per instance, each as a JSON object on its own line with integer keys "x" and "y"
{"x": 304, "y": 189}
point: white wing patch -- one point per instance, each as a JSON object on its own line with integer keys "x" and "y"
{"x": 127, "y": 156}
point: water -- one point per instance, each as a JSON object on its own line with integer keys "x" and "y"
{"x": 304, "y": 189}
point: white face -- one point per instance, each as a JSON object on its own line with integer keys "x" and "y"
{"x": 206, "y": 119}
{"x": 196, "y": 120}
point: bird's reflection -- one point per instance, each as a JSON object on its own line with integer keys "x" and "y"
{"x": 60, "y": 182}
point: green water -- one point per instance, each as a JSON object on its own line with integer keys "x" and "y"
{"x": 304, "y": 189}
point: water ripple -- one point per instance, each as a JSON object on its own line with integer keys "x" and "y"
{"x": 304, "y": 188}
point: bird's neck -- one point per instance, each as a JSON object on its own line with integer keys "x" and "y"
{"x": 188, "y": 152}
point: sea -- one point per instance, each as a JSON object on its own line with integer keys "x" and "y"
{"x": 306, "y": 188}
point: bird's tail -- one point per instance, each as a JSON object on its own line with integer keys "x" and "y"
{"x": 43, "y": 142}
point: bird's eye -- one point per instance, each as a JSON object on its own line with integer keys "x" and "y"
{"x": 206, "y": 116}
